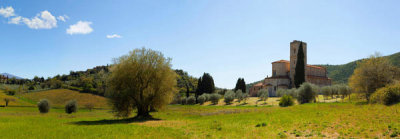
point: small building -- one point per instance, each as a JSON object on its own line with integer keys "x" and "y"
{"x": 283, "y": 73}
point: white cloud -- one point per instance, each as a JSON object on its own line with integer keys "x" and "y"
{"x": 15, "y": 20}
{"x": 82, "y": 27}
{"x": 113, "y": 36}
{"x": 7, "y": 12}
{"x": 44, "y": 20}
{"x": 63, "y": 18}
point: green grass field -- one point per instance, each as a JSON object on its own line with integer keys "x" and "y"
{"x": 332, "y": 120}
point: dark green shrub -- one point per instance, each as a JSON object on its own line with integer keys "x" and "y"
{"x": 191, "y": 100}
{"x": 31, "y": 87}
{"x": 44, "y": 106}
{"x": 286, "y": 100}
{"x": 214, "y": 98}
{"x": 10, "y": 92}
{"x": 201, "y": 99}
{"x": 71, "y": 106}
{"x": 229, "y": 97}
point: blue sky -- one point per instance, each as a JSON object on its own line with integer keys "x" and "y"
{"x": 226, "y": 38}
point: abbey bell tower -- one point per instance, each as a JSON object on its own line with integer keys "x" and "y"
{"x": 294, "y": 48}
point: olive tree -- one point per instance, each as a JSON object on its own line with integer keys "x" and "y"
{"x": 305, "y": 93}
{"x": 141, "y": 80}
{"x": 263, "y": 94}
{"x": 229, "y": 97}
{"x": 239, "y": 95}
{"x": 326, "y": 92}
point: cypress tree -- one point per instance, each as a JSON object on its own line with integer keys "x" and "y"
{"x": 240, "y": 85}
{"x": 199, "y": 90}
{"x": 299, "y": 75}
{"x": 243, "y": 85}
{"x": 207, "y": 83}
{"x": 237, "y": 86}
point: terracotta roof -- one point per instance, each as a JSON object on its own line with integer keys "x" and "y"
{"x": 258, "y": 84}
{"x": 318, "y": 67}
{"x": 281, "y": 61}
{"x": 278, "y": 77}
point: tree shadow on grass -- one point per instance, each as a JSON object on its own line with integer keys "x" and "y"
{"x": 116, "y": 121}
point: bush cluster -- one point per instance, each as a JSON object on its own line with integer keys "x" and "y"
{"x": 388, "y": 95}
{"x": 71, "y": 106}
{"x": 44, "y": 106}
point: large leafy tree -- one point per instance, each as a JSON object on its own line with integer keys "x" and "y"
{"x": 299, "y": 75}
{"x": 372, "y": 74}
{"x": 141, "y": 80}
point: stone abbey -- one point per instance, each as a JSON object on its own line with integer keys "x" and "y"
{"x": 283, "y": 73}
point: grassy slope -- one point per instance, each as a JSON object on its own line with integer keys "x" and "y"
{"x": 16, "y": 101}
{"x": 310, "y": 120}
{"x": 59, "y": 97}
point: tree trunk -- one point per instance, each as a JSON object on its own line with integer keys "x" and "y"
{"x": 143, "y": 112}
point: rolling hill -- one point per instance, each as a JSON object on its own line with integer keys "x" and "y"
{"x": 341, "y": 73}
{"x": 59, "y": 97}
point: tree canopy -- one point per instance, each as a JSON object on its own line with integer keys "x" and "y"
{"x": 141, "y": 80}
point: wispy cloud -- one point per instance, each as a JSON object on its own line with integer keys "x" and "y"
{"x": 63, "y": 18}
{"x": 82, "y": 27}
{"x": 114, "y": 36}
{"x": 7, "y": 12}
{"x": 15, "y": 20}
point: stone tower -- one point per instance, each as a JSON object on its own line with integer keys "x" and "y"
{"x": 294, "y": 48}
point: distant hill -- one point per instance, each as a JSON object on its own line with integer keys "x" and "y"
{"x": 341, "y": 73}
{"x": 10, "y": 76}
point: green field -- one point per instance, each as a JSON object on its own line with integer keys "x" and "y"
{"x": 318, "y": 120}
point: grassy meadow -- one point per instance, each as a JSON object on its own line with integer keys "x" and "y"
{"x": 317, "y": 120}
